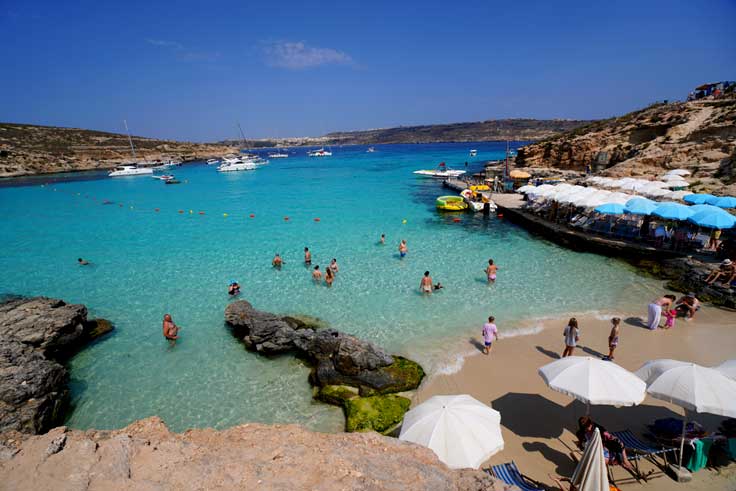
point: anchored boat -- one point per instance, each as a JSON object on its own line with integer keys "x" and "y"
{"x": 441, "y": 172}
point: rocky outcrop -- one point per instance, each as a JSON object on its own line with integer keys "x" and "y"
{"x": 36, "y": 336}
{"x": 699, "y": 136}
{"x": 337, "y": 359}
{"x": 147, "y": 456}
{"x": 29, "y": 149}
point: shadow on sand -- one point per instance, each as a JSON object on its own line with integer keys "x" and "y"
{"x": 591, "y": 351}
{"x": 549, "y": 353}
{"x": 477, "y": 344}
{"x": 636, "y": 322}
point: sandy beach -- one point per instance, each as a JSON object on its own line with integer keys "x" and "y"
{"x": 538, "y": 423}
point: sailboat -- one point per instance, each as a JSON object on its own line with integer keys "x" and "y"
{"x": 249, "y": 157}
{"x": 130, "y": 169}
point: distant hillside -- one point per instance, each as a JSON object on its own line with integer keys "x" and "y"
{"x": 699, "y": 136}
{"x": 28, "y": 149}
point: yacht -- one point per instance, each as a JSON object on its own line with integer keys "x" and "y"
{"x": 371, "y": 150}
{"x": 278, "y": 155}
{"x": 129, "y": 170}
{"x": 320, "y": 153}
{"x": 441, "y": 172}
{"x": 212, "y": 161}
{"x": 233, "y": 164}
{"x": 473, "y": 153}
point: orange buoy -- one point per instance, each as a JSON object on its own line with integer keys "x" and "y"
{"x": 156, "y": 209}
{"x": 286, "y": 219}
{"x": 201, "y": 213}
{"x": 316, "y": 219}
{"x": 500, "y": 215}
{"x": 252, "y": 215}
{"x": 456, "y": 220}
{"x": 181, "y": 211}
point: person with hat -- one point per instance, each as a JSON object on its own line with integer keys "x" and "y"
{"x": 726, "y": 269}
{"x": 688, "y": 305}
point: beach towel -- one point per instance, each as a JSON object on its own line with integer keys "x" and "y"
{"x": 732, "y": 447}
{"x": 654, "y": 315}
{"x": 699, "y": 457}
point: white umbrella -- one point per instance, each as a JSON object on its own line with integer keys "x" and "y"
{"x": 594, "y": 381}
{"x": 691, "y": 386}
{"x": 677, "y": 194}
{"x": 678, "y": 172}
{"x": 657, "y": 192}
{"x": 525, "y": 189}
{"x": 591, "y": 474}
{"x": 592, "y": 200}
{"x": 461, "y": 430}
{"x": 677, "y": 184}
{"x": 728, "y": 368}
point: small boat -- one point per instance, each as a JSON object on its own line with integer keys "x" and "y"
{"x": 212, "y": 161}
{"x": 165, "y": 177}
{"x": 451, "y": 203}
{"x": 129, "y": 170}
{"x": 174, "y": 163}
{"x": 371, "y": 150}
{"x": 473, "y": 153}
{"x": 172, "y": 181}
{"x": 441, "y": 172}
{"x": 319, "y": 153}
{"x": 278, "y": 155}
{"x": 234, "y": 164}
{"x": 477, "y": 200}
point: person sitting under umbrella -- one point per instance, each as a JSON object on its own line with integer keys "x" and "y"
{"x": 614, "y": 450}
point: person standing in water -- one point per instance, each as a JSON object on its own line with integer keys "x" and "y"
{"x": 572, "y": 336}
{"x": 171, "y": 330}
{"x": 383, "y": 239}
{"x": 82, "y": 262}
{"x": 333, "y": 266}
{"x": 329, "y": 277}
{"x": 426, "y": 286}
{"x": 402, "y": 248}
{"x": 307, "y": 257}
{"x": 277, "y": 261}
{"x": 317, "y": 274}
{"x": 490, "y": 334}
{"x": 491, "y": 270}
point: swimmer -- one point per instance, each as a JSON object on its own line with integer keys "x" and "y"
{"x": 439, "y": 286}
{"x": 234, "y": 288}
{"x": 82, "y": 262}
{"x": 383, "y": 239}
{"x": 333, "y": 266}
{"x": 307, "y": 256}
{"x": 171, "y": 330}
{"x": 316, "y": 274}
{"x": 425, "y": 286}
{"x": 402, "y": 248}
{"x": 277, "y": 261}
{"x": 329, "y": 277}
{"x": 491, "y": 271}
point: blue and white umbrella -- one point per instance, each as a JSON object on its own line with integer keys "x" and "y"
{"x": 725, "y": 202}
{"x": 611, "y": 209}
{"x": 710, "y": 219}
{"x": 673, "y": 211}
{"x": 640, "y": 206}
{"x": 698, "y": 199}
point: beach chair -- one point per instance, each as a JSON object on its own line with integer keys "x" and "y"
{"x": 637, "y": 449}
{"x": 510, "y": 474}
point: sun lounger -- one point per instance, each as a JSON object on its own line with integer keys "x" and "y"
{"x": 637, "y": 449}
{"x": 510, "y": 474}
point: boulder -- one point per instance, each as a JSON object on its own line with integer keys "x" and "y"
{"x": 36, "y": 336}
{"x": 375, "y": 413}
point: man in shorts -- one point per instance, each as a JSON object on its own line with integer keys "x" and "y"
{"x": 490, "y": 333}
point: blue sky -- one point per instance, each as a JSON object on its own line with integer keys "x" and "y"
{"x": 192, "y": 69}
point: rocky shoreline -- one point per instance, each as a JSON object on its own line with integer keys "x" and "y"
{"x": 37, "y": 335}
{"x": 346, "y": 371}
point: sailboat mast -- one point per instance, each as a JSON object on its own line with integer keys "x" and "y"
{"x": 130, "y": 140}
{"x": 242, "y": 135}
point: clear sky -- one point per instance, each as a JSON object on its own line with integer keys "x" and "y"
{"x": 191, "y": 69}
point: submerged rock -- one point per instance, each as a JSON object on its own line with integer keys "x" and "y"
{"x": 36, "y": 336}
{"x": 338, "y": 359}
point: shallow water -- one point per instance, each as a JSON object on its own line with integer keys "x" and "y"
{"x": 147, "y": 263}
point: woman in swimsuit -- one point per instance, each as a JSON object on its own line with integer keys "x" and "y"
{"x": 425, "y": 286}
{"x": 655, "y": 310}
{"x": 491, "y": 271}
{"x": 329, "y": 277}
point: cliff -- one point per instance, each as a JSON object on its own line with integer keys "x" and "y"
{"x": 27, "y": 149}
{"x": 146, "y": 455}
{"x": 699, "y": 136}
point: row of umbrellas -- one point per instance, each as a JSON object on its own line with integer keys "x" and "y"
{"x": 464, "y": 432}
{"x": 703, "y": 215}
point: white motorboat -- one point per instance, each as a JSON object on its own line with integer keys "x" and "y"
{"x": 174, "y": 163}
{"x": 129, "y": 170}
{"x": 473, "y": 153}
{"x": 475, "y": 204}
{"x": 320, "y": 153}
{"x": 278, "y": 155}
{"x": 234, "y": 164}
{"x": 212, "y": 161}
{"x": 441, "y": 172}
{"x": 371, "y": 150}
{"x": 165, "y": 177}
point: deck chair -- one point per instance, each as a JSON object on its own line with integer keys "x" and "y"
{"x": 637, "y": 449}
{"x": 510, "y": 474}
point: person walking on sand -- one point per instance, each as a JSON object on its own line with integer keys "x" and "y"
{"x": 654, "y": 314}
{"x": 572, "y": 336}
{"x": 490, "y": 334}
{"x": 307, "y": 257}
{"x": 613, "y": 337}
{"x": 317, "y": 274}
{"x": 277, "y": 261}
{"x": 402, "y": 248}
{"x": 171, "y": 330}
{"x": 491, "y": 270}
{"x": 329, "y": 277}
{"x": 426, "y": 286}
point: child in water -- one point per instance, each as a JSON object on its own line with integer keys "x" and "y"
{"x": 613, "y": 337}
{"x": 491, "y": 271}
{"x": 670, "y": 316}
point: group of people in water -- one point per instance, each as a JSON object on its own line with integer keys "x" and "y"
{"x": 317, "y": 276}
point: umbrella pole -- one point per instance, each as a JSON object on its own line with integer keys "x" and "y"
{"x": 682, "y": 440}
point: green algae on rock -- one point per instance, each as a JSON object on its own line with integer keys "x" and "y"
{"x": 406, "y": 374}
{"x": 375, "y": 413}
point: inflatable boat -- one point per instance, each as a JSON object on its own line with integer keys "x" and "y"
{"x": 451, "y": 203}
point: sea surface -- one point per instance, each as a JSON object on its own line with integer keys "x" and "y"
{"x": 152, "y": 252}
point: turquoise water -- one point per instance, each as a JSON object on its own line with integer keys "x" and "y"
{"x": 147, "y": 263}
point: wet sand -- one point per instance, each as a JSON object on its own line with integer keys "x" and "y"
{"x": 538, "y": 423}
